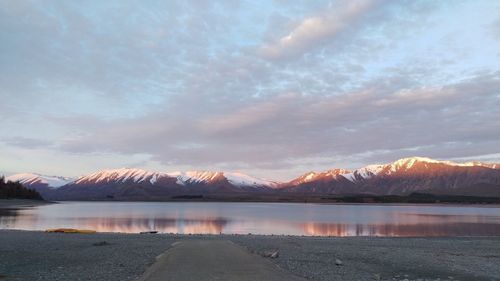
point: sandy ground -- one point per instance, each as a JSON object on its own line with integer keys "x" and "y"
{"x": 27, "y": 255}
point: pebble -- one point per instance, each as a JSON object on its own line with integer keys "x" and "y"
{"x": 270, "y": 254}
{"x": 102, "y": 243}
{"x": 275, "y": 254}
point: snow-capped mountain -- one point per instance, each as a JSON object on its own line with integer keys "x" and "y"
{"x": 401, "y": 177}
{"x": 41, "y": 183}
{"x": 124, "y": 175}
{"x": 207, "y": 177}
{"x": 363, "y": 173}
{"x": 242, "y": 180}
{"x": 37, "y": 179}
{"x": 194, "y": 177}
{"x": 127, "y": 175}
{"x": 405, "y": 176}
{"x": 127, "y": 183}
{"x": 407, "y": 164}
{"x": 323, "y": 176}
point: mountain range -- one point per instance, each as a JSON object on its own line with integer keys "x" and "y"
{"x": 401, "y": 177}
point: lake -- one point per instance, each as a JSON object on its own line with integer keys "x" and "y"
{"x": 260, "y": 218}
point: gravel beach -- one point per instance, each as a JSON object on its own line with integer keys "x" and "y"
{"x": 377, "y": 258}
{"x": 31, "y": 255}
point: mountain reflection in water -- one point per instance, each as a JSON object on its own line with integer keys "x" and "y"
{"x": 402, "y": 230}
{"x": 259, "y": 218}
{"x": 123, "y": 225}
{"x": 165, "y": 225}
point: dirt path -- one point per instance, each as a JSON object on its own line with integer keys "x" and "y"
{"x": 213, "y": 260}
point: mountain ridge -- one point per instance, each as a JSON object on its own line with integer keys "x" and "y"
{"x": 400, "y": 177}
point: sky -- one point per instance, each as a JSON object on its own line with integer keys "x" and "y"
{"x": 270, "y": 88}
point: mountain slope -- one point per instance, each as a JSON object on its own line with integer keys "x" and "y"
{"x": 329, "y": 182}
{"x": 426, "y": 175}
{"x": 130, "y": 184}
{"x": 405, "y": 176}
{"x": 124, "y": 175}
{"x": 37, "y": 179}
{"x": 41, "y": 183}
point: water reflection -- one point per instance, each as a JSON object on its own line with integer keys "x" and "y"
{"x": 7, "y": 212}
{"x": 123, "y": 225}
{"x": 402, "y": 230}
{"x": 259, "y": 218}
{"x": 165, "y": 225}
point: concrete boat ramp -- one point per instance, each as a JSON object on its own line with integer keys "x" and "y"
{"x": 198, "y": 260}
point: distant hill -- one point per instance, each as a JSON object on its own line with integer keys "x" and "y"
{"x": 11, "y": 190}
{"x": 402, "y": 177}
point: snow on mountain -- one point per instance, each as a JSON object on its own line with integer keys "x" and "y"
{"x": 323, "y": 176}
{"x": 480, "y": 164}
{"x": 194, "y": 177}
{"x": 308, "y": 177}
{"x": 363, "y": 173}
{"x": 405, "y": 164}
{"x": 243, "y": 180}
{"x": 411, "y": 161}
{"x": 183, "y": 178}
{"x": 121, "y": 175}
{"x": 402, "y": 177}
{"x": 206, "y": 177}
{"x": 240, "y": 179}
{"x": 37, "y": 179}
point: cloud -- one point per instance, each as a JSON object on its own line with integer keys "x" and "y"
{"x": 29, "y": 143}
{"x": 316, "y": 30}
{"x": 262, "y": 86}
{"x": 456, "y": 120}
{"x": 254, "y": 115}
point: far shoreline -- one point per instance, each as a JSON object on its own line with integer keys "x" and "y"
{"x": 26, "y": 203}
{"x": 7, "y": 203}
{"x": 254, "y": 235}
{"x": 444, "y": 204}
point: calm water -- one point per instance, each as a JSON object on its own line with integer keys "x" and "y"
{"x": 260, "y": 218}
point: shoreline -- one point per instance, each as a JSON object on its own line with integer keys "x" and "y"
{"x": 38, "y": 255}
{"x": 8, "y": 203}
{"x": 22, "y": 203}
{"x": 229, "y": 235}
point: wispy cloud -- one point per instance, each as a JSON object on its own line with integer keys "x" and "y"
{"x": 314, "y": 31}
{"x": 28, "y": 143}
